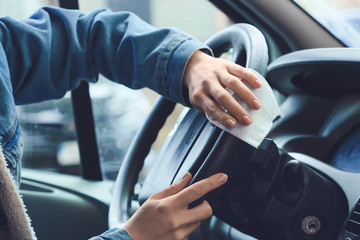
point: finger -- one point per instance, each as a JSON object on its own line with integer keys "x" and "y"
{"x": 191, "y": 228}
{"x": 207, "y": 104}
{"x": 244, "y": 74}
{"x": 215, "y": 112}
{"x": 200, "y": 212}
{"x": 199, "y": 189}
{"x": 184, "y": 232}
{"x": 236, "y": 85}
{"x": 225, "y": 99}
{"x": 174, "y": 188}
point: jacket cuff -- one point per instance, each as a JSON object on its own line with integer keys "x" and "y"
{"x": 112, "y": 234}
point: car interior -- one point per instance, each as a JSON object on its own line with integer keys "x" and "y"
{"x": 83, "y": 174}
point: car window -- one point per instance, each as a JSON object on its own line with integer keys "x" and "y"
{"x": 339, "y": 17}
{"x": 48, "y": 130}
{"x": 28, "y": 7}
{"x": 119, "y": 111}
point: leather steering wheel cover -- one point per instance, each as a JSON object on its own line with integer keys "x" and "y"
{"x": 248, "y": 43}
{"x": 133, "y": 161}
{"x": 249, "y": 49}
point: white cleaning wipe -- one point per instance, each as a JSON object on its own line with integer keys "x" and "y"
{"x": 263, "y": 118}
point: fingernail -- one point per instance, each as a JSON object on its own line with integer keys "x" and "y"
{"x": 246, "y": 120}
{"x": 256, "y": 104}
{"x": 258, "y": 83}
{"x": 230, "y": 123}
{"x": 223, "y": 178}
{"x": 185, "y": 175}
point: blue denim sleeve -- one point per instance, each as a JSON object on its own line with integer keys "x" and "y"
{"x": 55, "y": 49}
{"x": 113, "y": 234}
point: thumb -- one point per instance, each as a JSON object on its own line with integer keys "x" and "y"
{"x": 174, "y": 188}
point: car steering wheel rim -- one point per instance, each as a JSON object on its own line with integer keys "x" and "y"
{"x": 249, "y": 50}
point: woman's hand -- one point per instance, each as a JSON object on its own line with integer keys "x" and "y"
{"x": 166, "y": 216}
{"x": 207, "y": 78}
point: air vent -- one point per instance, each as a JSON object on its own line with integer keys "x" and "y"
{"x": 353, "y": 224}
{"x": 351, "y": 229}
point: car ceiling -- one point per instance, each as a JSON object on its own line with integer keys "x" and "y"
{"x": 288, "y": 25}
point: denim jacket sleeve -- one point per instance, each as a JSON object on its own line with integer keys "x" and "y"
{"x": 113, "y": 234}
{"x": 48, "y": 54}
{"x": 55, "y": 49}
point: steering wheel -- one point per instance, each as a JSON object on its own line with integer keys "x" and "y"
{"x": 195, "y": 146}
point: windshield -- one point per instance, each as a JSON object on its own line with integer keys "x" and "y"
{"x": 339, "y": 17}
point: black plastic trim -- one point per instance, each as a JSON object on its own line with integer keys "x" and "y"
{"x": 70, "y": 4}
{"x": 85, "y": 128}
{"x": 84, "y": 122}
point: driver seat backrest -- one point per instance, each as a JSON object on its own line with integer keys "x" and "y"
{"x": 12, "y": 205}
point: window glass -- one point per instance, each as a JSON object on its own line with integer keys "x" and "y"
{"x": 28, "y": 7}
{"x": 49, "y": 136}
{"x": 119, "y": 111}
{"x": 47, "y": 128}
{"x": 339, "y": 17}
